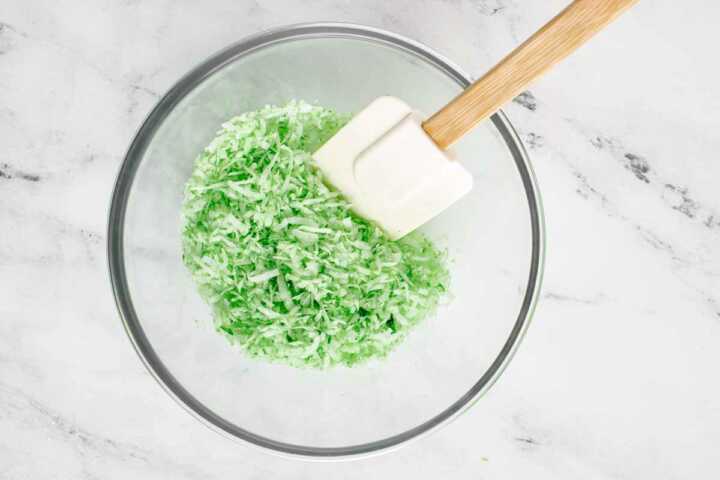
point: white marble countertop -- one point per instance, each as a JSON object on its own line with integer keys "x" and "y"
{"x": 617, "y": 377}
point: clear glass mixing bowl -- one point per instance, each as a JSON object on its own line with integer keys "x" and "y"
{"x": 494, "y": 237}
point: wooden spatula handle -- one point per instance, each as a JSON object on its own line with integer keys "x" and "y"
{"x": 553, "y": 42}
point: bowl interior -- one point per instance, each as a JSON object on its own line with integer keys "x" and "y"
{"x": 488, "y": 236}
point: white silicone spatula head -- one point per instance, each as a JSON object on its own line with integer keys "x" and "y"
{"x": 394, "y": 168}
{"x": 390, "y": 170}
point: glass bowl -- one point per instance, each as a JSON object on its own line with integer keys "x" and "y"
{"x": 494, "y": 238}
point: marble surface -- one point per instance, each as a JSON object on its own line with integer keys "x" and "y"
{"x": 617, "y": 377}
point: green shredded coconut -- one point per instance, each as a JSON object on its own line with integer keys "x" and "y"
{"x": 291, "y": 273}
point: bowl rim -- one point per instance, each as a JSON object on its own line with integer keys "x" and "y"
{"x": 123, "y": 186}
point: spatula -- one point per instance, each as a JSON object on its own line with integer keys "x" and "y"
{"x": 394, "y": 167}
